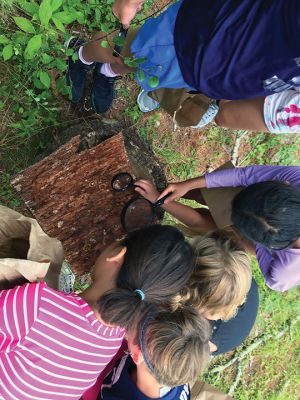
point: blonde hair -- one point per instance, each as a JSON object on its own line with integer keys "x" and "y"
{"x": 176, "y": 345}
{"x": 222, "y": 276}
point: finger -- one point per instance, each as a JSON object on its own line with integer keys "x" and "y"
{"x": 140, "y": 190}
{"x": 142, "y": 184}
{"x": 145, "y": 181}
{"x": 167, "y": 190}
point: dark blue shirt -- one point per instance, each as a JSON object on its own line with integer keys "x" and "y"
{"x": 227, "y": 335}
{"x": 119, "y": 385}
{"x": 237, "y": 49}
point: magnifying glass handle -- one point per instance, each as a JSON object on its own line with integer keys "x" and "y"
{"x": 161, "y": 201}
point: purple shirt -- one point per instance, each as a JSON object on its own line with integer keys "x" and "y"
{"x": 239, "y": 49}
{"x": 281, "y": 268}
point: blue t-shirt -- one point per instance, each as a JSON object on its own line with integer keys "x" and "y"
{"x": 119, "y": 385}
{"x": 237, "y": 49}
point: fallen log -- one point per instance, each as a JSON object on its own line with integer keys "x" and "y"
{"x": 69, "y": 192}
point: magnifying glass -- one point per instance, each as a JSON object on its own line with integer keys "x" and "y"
{"x": 122, "y": 181}
{"x": 138, "y": 212}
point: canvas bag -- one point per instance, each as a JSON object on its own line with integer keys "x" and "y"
{"x": 185, "y": 108}
{"x": 219, "y": 200}
{"x": 27, "y": 253}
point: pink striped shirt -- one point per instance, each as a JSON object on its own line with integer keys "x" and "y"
{"x": 52, "y": 346}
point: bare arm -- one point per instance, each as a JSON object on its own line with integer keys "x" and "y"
{"x": 185, "y": 214}
{"x": 179, "y": 189}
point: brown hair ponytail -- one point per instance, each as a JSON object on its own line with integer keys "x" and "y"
{"x": 158, "y": 263}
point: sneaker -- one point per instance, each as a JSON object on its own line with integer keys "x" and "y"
{"x": 66, "y": 278}
{"x": 146, "y": 103}
{"x": 77, "y": 70}
{"x": 103, "y": 90}
{"x": 209, "y": 116}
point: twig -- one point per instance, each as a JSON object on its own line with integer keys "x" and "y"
{"x": 237, "y": 379}
{"x": 235, "y": 152}
{"x": 254, "y": 345}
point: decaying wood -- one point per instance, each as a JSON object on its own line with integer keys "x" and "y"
{"x": 70, "y": 195}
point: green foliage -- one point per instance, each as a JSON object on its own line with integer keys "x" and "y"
{"x": 153, "y": 81}
{"x": 7, "y": 194}
{"x": 32, "y": 40}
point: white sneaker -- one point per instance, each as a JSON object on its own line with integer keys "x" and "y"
{"x": 146, "y": 103}
{"x": 66, "y": 278}
{"x": 209, "y": 115}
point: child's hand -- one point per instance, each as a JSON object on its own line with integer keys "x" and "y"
{"x": 177, "y": 189}
{"x": 147, "y": 190}
{"x": 125, "y": 10}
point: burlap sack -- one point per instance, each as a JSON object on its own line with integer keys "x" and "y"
{"x": 26, "y": 252}
{"x": 219, "y": 200}
{"x": 203, "y": 391}
{"x": 185, "y": 108}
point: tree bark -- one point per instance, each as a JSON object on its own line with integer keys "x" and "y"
{"x": 70, "y": 195}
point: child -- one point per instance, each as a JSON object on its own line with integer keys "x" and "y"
{"x": 53, "y": 345}
{"x": 267, "y": 214}
{"x": 221, "y": 281}
{"x": 222, "y": 289}
{"x": 213, "y": 47}
{"x": 171, "y": 350}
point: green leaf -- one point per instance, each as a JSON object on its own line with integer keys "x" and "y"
{"x": 3, "y": 39}
{"x": 59, "y": 25}
{"x": 46, "y": 59}
{"x": 61, "y": 86}
{"x": 55, "y": 4}
{"x": 104, "y": 44}
{"x": 33, "y": 46}
{"x": 141, "y": 75}
{"x": 7, "y": 52}
{"x": 24, "y": 24}
{"x": 104, "y": 28}
{"x": 75, "y": 56}
{"x": 153, "y": 81}
{"x": 130, "y": 62}
{"x": 60, "y": 64}
{"x": 30, "y": 8}
{"x": 69, "y": 52}
{"x": 45, "y": 79}
{"x": 80, "y": 17}
{"x": 45, "y": 12}
{"x": 140, "y": 60}
{"x": 38, "y": 84}
{"x": 65, "y": 17}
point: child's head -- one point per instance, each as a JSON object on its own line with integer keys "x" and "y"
{"x": 222, "y": 277}
{"x": 157, "y": 264}
{"x": 172, "y": 346}
{"x": 268, "y": 213}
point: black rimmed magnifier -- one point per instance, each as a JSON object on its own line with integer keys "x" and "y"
{"x": 138, "y": 212}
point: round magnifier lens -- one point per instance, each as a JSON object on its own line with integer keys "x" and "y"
{"x": 122, "y": 182}
{"x": 137, "y": 214}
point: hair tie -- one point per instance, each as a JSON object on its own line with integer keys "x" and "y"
{"x": 140, "y": 293}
